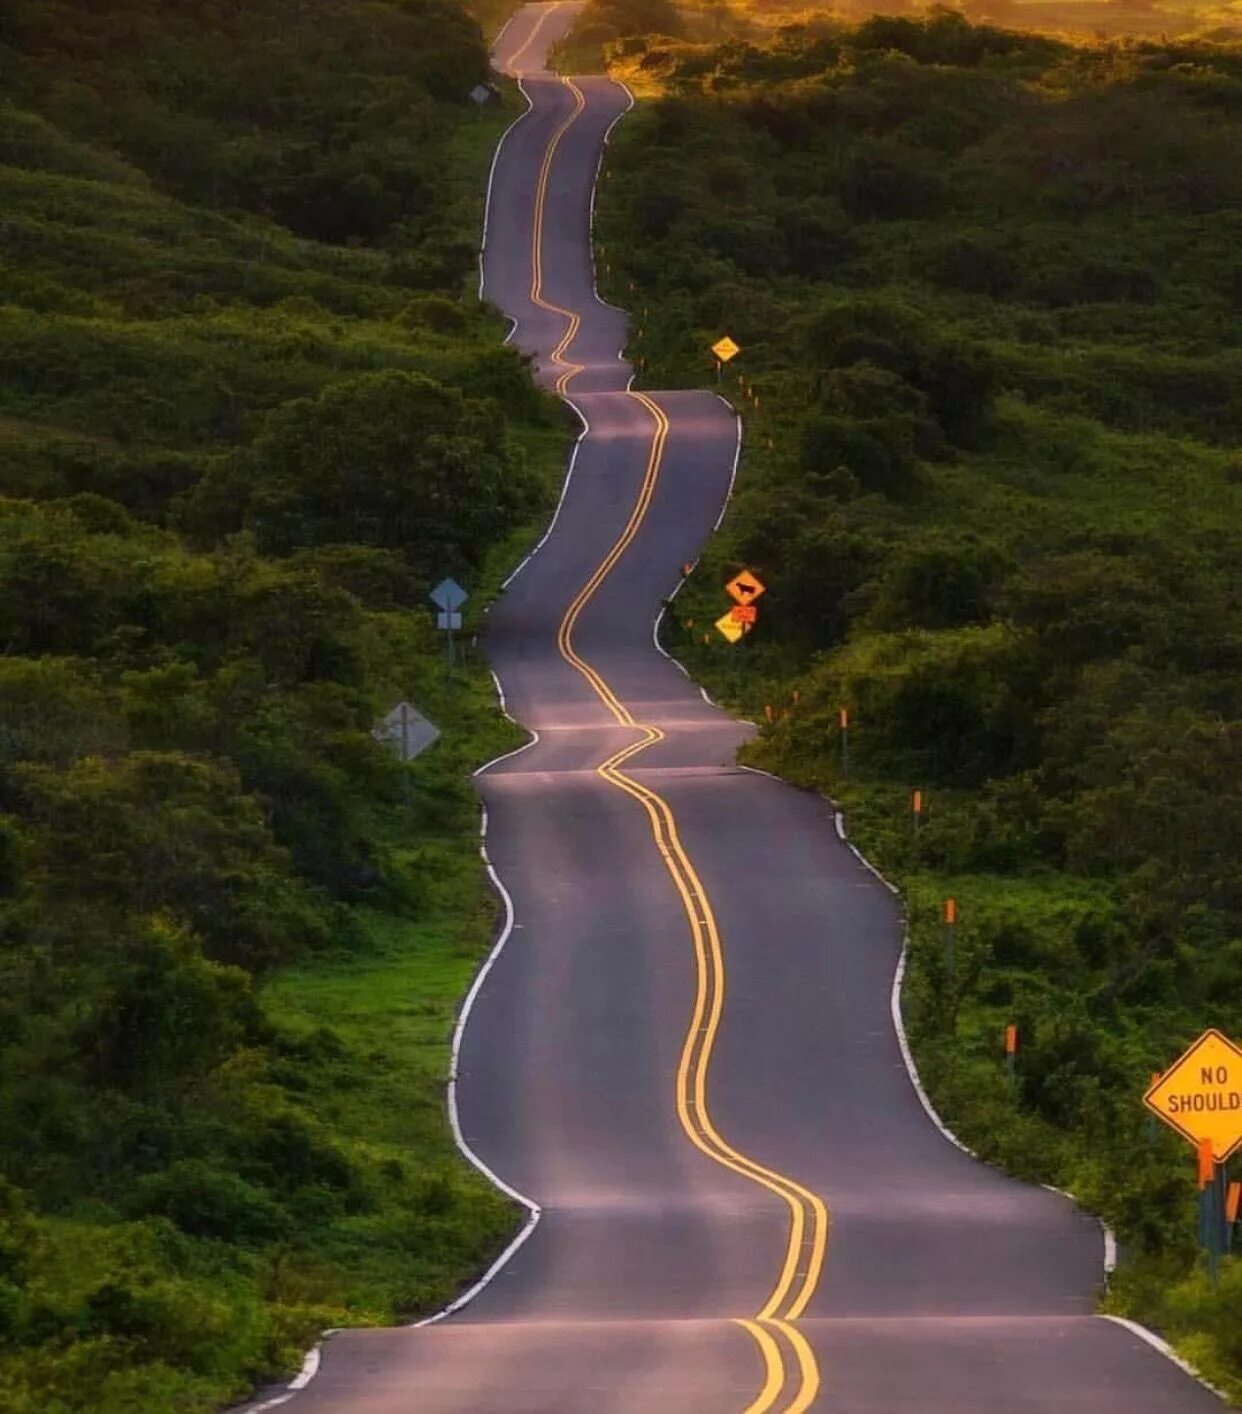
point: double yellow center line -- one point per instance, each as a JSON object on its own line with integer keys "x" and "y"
{"x": 808, "y": 1229}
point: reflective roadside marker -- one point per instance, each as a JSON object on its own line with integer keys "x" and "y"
{"x": 950, "y": 910}
{"x": 916, "y": 802}
{"x": 767, "y": 711}
{"x": 687, "y": 571}
{"x": 844, "y": 718}
{"x": 1011, "y": 1039}
{"x": 1207, "y": 1163}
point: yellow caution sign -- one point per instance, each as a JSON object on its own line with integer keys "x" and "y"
{"x": 725, "y": 349}
{"x": 1200, "y": 1095}
{"x": 745, "y": 588}
{"x": 730, "y": 627}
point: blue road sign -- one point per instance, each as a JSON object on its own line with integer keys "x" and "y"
{"x": 449, "y": 596}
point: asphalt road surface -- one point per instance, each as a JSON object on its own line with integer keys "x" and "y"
{"x": 685, "y": 1054}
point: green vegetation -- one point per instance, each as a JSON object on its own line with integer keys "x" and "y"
{"x": 248, "y": 414}
{"x": 987, "y": 290}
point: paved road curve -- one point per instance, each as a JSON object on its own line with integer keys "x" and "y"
{"x": 685, "y": 1053}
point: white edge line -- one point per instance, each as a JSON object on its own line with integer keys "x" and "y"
{"x": 533, "y": 1210}
{"x": 491, "y": 175}
{"x": 569, "y": 476}
{"x": 310, "y": 1368}
{"x": 599, "y": 167}
{"x": 737, "y": 453}
{"x": 1158, "y": 1343}
{"x": 504, "y": 28}
{"x": 310, "y": 1364}
{"x": 759, "y": 771}
{"x": 903, "y": 1041}
{"x": 659, "y": 620}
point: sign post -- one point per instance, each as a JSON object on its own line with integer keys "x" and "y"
{"x": 448, "y": 596}
{"x": 950, "y": 927}
{"x": 408, "y": 733}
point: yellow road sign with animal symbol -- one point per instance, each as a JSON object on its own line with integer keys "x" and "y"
{"x": 745, "y": 588}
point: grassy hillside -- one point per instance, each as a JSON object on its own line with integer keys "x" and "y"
{"x": 987, "y": 291}
{"x": 249, "y": 412}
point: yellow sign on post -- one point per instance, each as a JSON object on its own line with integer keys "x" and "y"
{"x": 1200, "y": 1095}
{"x": 725, "y": 349}
{"x": 745, "y": 588}
{"x": 730, "y": 627}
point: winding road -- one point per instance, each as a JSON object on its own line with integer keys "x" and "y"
{"x": 685, "y": 1052}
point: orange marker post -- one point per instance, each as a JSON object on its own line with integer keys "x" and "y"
{"x": 843, "y": 721}
{"x": 950, "y": 926}
{"x": 1207, "y": 1163}
{"x": 916, "y": 809}
{"x": 1233, "y": 1193}
{"x": 1011, "y": 1049}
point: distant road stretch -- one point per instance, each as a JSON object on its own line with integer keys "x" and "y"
{"x": 685, "y": 1053}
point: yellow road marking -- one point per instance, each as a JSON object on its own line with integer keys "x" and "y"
{"x": 807, "y": 1210}
{"x": 773, "y": 1367}
{"x": 530, "y": 38}
{"x": 573, "y": 320}
{"x": 807, "y": 1365}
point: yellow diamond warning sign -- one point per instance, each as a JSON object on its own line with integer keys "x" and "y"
{"x": 730, "y": 627}
{"x": 725, "y": 349}
{"x": 1200, "y": 1095}
{"x": 745, "y": 588}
